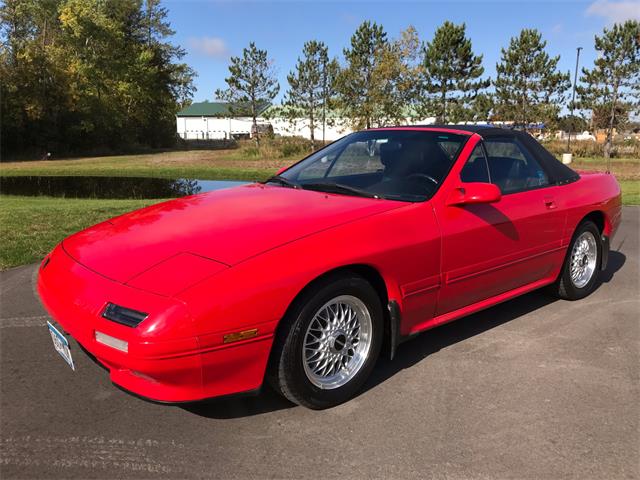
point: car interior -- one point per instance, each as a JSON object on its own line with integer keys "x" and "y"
{"x": 411, "y": 167}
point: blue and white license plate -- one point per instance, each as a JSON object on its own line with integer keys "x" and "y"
{"x": 61, "y": 344}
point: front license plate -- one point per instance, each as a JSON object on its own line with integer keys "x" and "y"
{"x": 61, "y": 344}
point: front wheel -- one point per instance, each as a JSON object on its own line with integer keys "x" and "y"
{"x": 328, "y": 342}
{"x": 581, "y": 267}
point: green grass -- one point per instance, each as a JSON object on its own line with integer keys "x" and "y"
{"x": 32, "y": 226}
{"x": 117, "y": 169}
{"x": 630, "y": 192}
{"x": 187, "y": 172}
{"x": 243, "y": 163}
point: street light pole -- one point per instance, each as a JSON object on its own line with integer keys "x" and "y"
{"x": 573, "y": 98}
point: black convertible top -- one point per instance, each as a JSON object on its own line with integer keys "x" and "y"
{"x": 558, "y": 172}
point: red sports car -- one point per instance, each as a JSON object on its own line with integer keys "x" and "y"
{"x": 304, "y": 279}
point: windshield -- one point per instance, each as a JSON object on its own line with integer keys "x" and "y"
{"x": 404, "y": 165}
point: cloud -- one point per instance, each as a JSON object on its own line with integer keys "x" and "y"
{"x": 615, "y": 12}
{"x": 210, "y": 46}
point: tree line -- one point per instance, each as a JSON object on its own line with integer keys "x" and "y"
{"x": 386, "y": 81}
{"x": 88, "y": 76}
{"x": 95, "y": 75}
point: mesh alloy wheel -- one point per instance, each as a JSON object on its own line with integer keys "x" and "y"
{"x": 337, "y": 342}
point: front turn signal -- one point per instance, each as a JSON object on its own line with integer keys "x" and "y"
{"x": 237, "y": 336}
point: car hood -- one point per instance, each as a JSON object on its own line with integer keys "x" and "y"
{"x": 227, "y": 226}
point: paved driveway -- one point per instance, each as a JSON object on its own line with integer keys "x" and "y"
{"x": 533, "y": 388}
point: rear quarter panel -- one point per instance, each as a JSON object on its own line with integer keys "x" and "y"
{"x": 593, "y": 192}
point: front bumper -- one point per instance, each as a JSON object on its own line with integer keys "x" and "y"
{"x": 164, "y": 361}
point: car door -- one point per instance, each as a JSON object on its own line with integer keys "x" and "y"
{"x": 489, "y": 249}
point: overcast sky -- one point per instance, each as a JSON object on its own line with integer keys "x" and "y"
{"x": 212, "y": 31}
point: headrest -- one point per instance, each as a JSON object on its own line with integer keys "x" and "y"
{"x": 389, "y": 152}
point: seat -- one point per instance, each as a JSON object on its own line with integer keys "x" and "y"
{"x": 413, "y": 157}
{"x": 505, "y": 172}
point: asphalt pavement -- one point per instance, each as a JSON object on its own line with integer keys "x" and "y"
{"x": 532, "y": 388}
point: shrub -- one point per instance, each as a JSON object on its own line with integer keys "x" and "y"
{"x": 586, "y": 148}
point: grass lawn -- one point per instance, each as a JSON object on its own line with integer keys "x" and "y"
{"x": 32, "y": 226}
{"x": 630, "y": 192}
{"x": 203, "y": 164}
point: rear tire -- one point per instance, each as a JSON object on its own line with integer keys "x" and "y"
{"x": 582, "y": 263}
{"x": 328, "y": 342}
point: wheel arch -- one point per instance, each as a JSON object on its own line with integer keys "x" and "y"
{"x": 600, "y": 219}
{"x": 371, "y": 275}
{"x": 603, "y": 224}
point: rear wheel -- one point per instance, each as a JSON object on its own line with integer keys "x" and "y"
{"x": 328, "y": 342}
{"x": 582, "y": 264}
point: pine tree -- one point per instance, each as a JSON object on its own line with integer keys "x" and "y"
{"x": 401, "y": 68}
{"x": 311, "y": 86}
{"x": 360, "y": 87}
{"x": 251, "y": 84}
{"x": 528, "y": 87}
{"x": 612, "y": 87}
{"x": 451, "y": 74}
{"x": 328, "y": 76}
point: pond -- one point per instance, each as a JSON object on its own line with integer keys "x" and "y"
{"x": 109, "y": 187}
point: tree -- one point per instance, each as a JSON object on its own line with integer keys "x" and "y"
{"x": 528, "y": 86}
{"x": 451, "y": 74}
{"x": 359, "y": 85}
{"x": 87, "y": 75}
{"x": 328, "y": 75}
{"x": 572, "y": 123}
{"x": 166, "y": 84}
{"x": 154, "y": 23}
{"x": 400, "y": 68}
{"x": 311, "y": 86}
{"x": 612, "y": 87}
{"x": 251, "y": 84}
{"x": 378, "y": 82}
{"x": 482, "y": 107}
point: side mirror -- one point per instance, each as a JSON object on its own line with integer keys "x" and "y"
{"x": 470, "y": 193}
{"x": 282, "y": 169}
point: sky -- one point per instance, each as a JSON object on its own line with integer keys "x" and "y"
{"x": 212, "y": 31}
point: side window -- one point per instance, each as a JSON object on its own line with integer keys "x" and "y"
{"x": 475, "y": 170}
{"x": 511, "y": 166}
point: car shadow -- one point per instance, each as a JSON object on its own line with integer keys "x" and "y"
{"x": 615, "y": 263}
{"x": 423, "y": 345}
{"x": 241, "y": 406}
{"x": 408, "y": 354}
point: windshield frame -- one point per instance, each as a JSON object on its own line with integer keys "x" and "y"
{"x": 465, "y": 137}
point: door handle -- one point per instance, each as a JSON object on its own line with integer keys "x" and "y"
{"x": 549, "y": 202}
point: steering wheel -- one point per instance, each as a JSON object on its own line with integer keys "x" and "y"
{"x": 423, "y": 176}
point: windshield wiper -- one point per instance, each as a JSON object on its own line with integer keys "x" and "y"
{"x": 282, "y": 181}
{"x": 338, "y": 188}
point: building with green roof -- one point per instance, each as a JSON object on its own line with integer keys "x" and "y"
{"x": 216, "y": 120}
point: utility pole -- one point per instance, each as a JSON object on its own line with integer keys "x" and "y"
{"x": 573, "y": 98}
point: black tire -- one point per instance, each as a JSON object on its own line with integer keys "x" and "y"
{"x": 564, "y": 287}
{"x": 286, "y": 370}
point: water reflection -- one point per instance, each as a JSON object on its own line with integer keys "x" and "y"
{"x": 109, "y": 187}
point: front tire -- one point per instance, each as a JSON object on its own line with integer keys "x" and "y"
{"x": 581, "y": 268}
{"x": 328, "y": 342}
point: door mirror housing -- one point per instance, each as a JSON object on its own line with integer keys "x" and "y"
{"x": 476, "y": 192}
{"x": 282, "y": 169}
